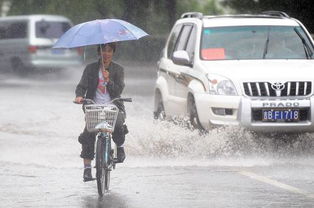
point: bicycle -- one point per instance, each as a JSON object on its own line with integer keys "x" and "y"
{"x": 101, "y": 118}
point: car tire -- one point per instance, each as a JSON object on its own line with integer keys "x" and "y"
{"x": 193, "y": 115}
{"x": 18, "y": 67}
{"x": 160, "y": 113}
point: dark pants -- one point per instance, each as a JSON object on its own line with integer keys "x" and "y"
{"x": 87, "y": 139}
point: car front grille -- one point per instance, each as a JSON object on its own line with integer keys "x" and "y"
{"x": 267, "y": 89}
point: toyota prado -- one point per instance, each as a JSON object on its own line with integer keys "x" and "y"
{"x": 254, "y": 71}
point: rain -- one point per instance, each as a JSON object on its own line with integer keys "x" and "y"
{"x": 168, "y": 163}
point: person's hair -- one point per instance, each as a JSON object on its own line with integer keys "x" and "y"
{"x": 111, "y": 45}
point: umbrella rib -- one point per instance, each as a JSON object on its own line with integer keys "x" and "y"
{"x": 127, "y": 29}
{"x": 78, "y": 30}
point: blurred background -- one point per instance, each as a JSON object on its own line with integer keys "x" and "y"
{"x": 156, "y": 17}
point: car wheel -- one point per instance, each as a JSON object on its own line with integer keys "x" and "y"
{"x": 193, "y": 116}
{"x": 160, "y": 113}
{"x": 18, "y": 67}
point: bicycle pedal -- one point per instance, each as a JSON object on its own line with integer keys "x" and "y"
{"x": 115, "y": 160}
{"x": 89, "y": 179}
{"x": 109, "y": 168}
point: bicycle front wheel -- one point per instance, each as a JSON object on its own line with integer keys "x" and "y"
{"x": 102, "y": 165}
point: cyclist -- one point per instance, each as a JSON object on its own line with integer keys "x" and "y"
{"x": 102, "y": 81}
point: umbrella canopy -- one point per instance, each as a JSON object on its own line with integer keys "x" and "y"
{"x": 100, "y": 31}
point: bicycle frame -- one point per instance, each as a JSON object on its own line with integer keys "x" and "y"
{"x": 110, "y": 153}
{"x": 101, "y": 119}
{"x": 104, "y": 162}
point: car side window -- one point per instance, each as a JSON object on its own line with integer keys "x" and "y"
{"x": 16, "y": 30}
{"x": 173, "y": 39}
{"x": 2, "y": 31}
{"x": 13, "y": 30}
{"x": 51, "y": 29}
{"x": 185, "y": 33}
{"x": 191, "y": 43}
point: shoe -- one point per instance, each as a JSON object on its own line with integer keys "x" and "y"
{"x": 120, "y": 154}
{"x": 87, "y": 176}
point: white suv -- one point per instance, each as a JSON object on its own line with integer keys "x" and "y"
{"x": 254, "y": 71}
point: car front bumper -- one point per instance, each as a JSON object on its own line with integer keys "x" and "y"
{"x": 219, "y": 110}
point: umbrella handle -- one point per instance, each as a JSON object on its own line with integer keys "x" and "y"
{"x": 102, "y": 59}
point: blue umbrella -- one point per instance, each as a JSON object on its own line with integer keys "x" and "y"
{"x": 100, "y": 31}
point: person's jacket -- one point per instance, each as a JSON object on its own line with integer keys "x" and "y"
{"x": 89, "y": 81}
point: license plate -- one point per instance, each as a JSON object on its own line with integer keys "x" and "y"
{"x": 57, "y": 51}
{"x": 281, "y": 115}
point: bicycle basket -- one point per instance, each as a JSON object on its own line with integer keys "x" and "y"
{"x": 97, "y": 113}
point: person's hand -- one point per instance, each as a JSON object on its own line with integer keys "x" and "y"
{"x": 105, "y": 73}
{"x": 79, "y": 100}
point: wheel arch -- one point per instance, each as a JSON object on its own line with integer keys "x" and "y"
{"x": 161, "y": 92}
{"x": 194, "y": 87}
{"x": 157, "y": 98}
{"x": 189, "y": 102}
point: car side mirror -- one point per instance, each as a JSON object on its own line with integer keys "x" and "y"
{"x": 181, "y": 58}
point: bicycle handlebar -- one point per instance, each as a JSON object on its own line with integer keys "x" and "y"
{"x": 90, "y": 101}
{"x": 126, "y": 99}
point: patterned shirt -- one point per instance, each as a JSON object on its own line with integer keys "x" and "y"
{"x": 102, "y": 95}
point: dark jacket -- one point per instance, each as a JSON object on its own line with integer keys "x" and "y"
{"x": 89, "y": 81}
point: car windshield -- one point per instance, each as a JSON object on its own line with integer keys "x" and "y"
{"x": 51, "y": 29}
{"x": 255, "y": 42}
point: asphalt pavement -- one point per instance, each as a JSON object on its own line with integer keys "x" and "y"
{"x": 167, "y": 165}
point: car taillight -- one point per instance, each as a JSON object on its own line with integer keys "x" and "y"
{"x": 32, "y": 49}
{"x": 80, "y": 50}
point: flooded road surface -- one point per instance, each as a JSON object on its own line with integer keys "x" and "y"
{"x": 167, "y": 164}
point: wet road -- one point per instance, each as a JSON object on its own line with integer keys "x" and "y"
{"x": 167, "y": 165}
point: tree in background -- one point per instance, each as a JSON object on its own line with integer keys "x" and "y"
{"x": 299, "y": 9}
{"x": 154, "y": 16}
{"x": 151, "y": 15}
{"x": 158, "y": 15}
{"x": 78, "y": 11}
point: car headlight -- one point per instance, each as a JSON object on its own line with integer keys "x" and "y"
{"x": 219, "y": 85}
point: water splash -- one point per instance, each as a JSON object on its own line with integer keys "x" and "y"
{"x": 168, "y": 140}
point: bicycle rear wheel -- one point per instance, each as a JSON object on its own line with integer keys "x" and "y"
{"x": 103, "y": 161}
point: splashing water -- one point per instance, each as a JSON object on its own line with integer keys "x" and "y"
{"x": 42, "y": 123}
{"x": 166, "y": 139}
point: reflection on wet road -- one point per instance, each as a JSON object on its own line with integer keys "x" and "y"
{"x": 167, "y": 165}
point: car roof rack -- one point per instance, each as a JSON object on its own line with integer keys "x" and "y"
{"x": 276, "y": 13}
{"x": 192, "y": 15}
{"x": 242, "y": 16}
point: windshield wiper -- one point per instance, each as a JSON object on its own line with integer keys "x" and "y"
{"x": 266, "y": 44}
{"x": 308, "y": 51}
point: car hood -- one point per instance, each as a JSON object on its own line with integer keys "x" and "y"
{"x": 262, "y": 70}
